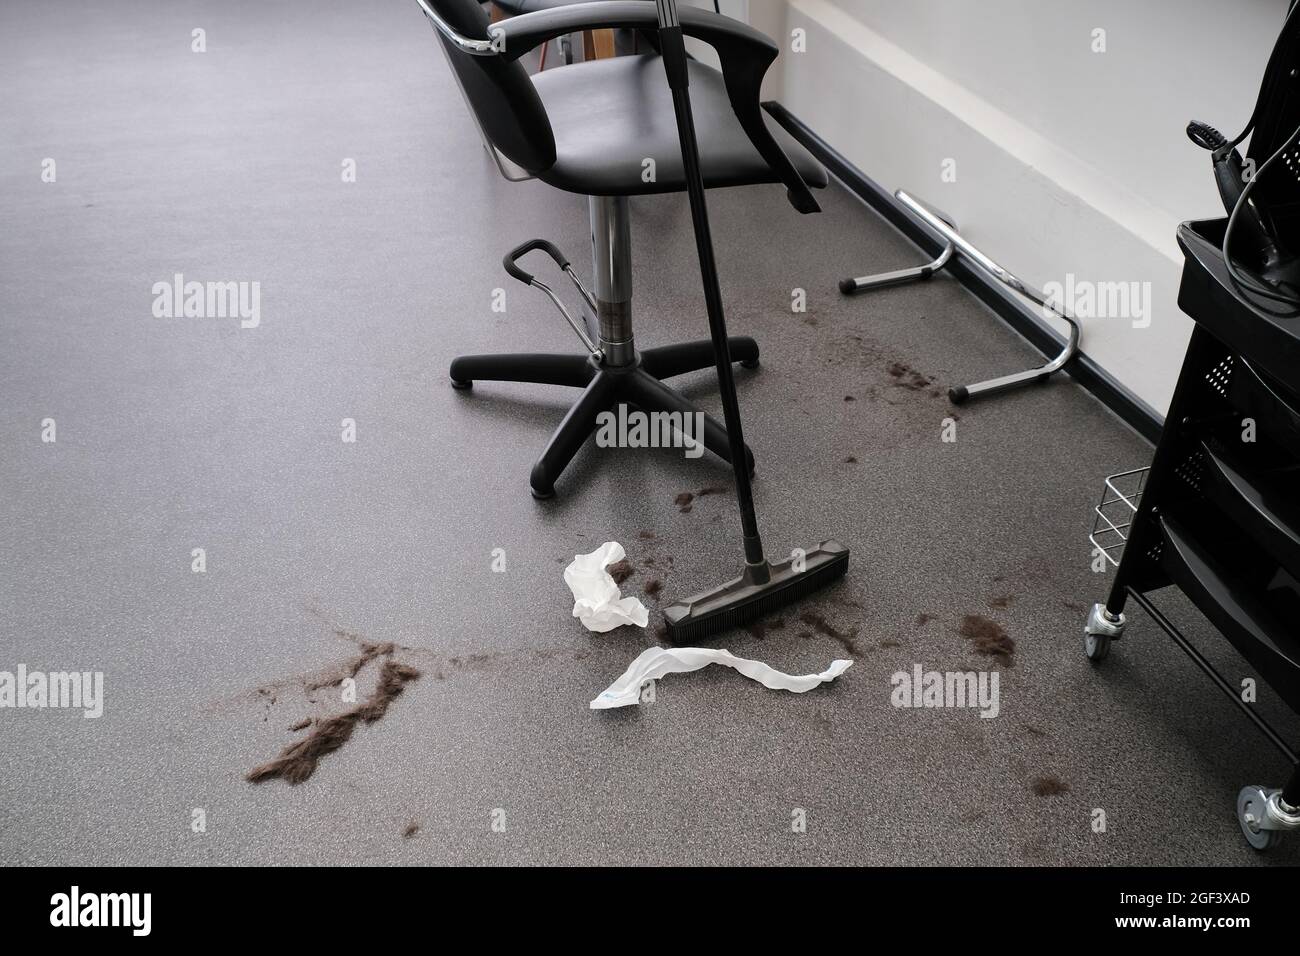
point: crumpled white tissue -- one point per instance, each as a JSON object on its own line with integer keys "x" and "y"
{"x": 655, "y": 662}
{"x": 596, "y": 600}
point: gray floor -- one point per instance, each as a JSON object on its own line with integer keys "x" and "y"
{"x": 175, "y": 434}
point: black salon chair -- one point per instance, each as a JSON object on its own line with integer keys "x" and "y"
{"x": 517, "y": 8}
{"x": 607, "y": 130}
{"x": 626, "y": 41}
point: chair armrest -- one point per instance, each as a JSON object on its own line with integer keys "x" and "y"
{"x": 745, "y": 55}
{"x": 529, "y": 30}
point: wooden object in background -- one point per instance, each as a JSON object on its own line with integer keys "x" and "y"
{"x": 597, "y": 44}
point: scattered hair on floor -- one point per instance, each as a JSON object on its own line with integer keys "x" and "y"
{"x": 475, "y": 662}
{"x": 923, "y": 619}
{"x": 1049, "y": 786}
{"x": 1036, "y": 731}
{"x": 1072, "y": 605}
{"x": 360, "y": 640}
{"x": 849, "y": 398}
{"x": 653, "y": 587}
{"x": 1002, "y": 601}
{"x": 988, "y": 637}
{"x": 392, "y": 681}
{"x": 647, "y": 535}
{"x": 300, "y": 725}
{"x": 333, "y": 676}
{"x": 819, "y": 624}
{"x": 685, "y": 499}
{"x": 890, "y": 642}
{"x": 620, "y": 571}
{"x": 851, "y": 460}
{"x": 759, "y": 629}
{"x": 411, "y": 830}
{"x": 806, "y": 635}
{"x": 909, "y": 378}
{"x": 297, "y": 762}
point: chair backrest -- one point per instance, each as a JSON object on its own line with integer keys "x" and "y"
{"x": 500, "y": 93}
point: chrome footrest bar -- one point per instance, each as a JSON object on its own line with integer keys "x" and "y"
{"x": 953, "y": 241}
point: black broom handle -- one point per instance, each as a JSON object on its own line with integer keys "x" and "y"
{"x": 674, "y": 56}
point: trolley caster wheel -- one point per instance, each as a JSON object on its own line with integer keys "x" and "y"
{"x": 1252, "y": 809}
{"x": 462, "y": 385}
{"x": 1096, "y": 646}
{"x": 1102, "y": 628}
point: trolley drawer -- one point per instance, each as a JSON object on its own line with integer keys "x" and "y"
{"x": 1263, "y": 506}
{"x": 1254, "y": 619}
{"x": 1274, "y": 411}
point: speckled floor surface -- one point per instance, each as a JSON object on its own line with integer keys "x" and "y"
{"x": 176, "y": 434}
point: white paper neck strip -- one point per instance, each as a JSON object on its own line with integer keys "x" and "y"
{"x": 656, "y": 662}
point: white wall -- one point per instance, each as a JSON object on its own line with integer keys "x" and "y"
{"x": 737, "y": 9}
{"x": 1067, "y": 160}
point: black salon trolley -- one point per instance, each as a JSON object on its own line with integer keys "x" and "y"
{"x": 1217, "y": 514}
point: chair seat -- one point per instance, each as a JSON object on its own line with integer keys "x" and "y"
{"x": 609, "y": 116}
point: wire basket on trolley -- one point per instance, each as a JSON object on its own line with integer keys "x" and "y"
{"x": 1114, "y": 515}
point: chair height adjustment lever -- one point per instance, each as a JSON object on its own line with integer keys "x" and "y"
{"x": 511, "y": 263}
